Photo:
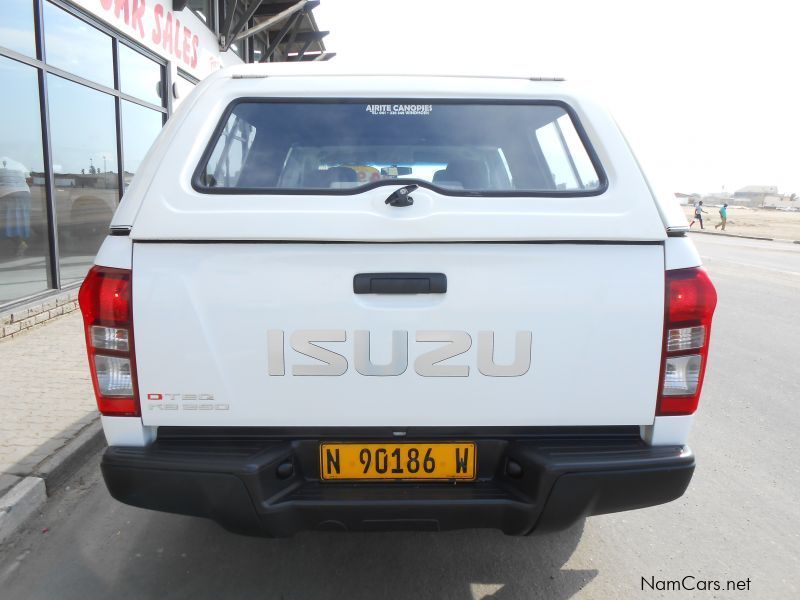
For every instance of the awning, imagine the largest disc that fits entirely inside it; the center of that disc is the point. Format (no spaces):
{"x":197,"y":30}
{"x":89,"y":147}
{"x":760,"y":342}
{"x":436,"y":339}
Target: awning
{"x":287,"y":31}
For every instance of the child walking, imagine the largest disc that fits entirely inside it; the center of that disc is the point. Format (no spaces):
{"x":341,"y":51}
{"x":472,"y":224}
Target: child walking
{"x":698,"y":214}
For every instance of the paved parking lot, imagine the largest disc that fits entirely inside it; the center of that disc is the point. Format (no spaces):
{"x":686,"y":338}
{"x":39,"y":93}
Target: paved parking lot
{"x":739,"y":520}
{"x":46,"y":394}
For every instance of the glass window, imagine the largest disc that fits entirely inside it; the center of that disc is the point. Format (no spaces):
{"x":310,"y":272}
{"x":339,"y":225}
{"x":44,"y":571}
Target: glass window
{"x":140,"y":127}
{"x":259,"y":48}
{"x":184,"y":86}
{"x":77,"y":47}
{"x":84,"y":142}
{"x":224,"y":168}
{"x":16,"y":26}
{"x":202,"y":8}
{"x":480,"y":148}
{"x":561,"y":147}
{"x":23,"y":216}
{"x":140,"y":76}
{"x":238,"y":48}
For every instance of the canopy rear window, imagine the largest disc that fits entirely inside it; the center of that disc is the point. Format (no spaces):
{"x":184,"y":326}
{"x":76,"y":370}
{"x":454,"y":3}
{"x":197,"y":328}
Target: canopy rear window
{"x":344,"y":147}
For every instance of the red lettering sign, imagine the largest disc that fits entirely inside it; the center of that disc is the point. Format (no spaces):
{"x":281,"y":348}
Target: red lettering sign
{"x":122,"y":6}
{"x":187,"y":42}
{"x":175,"y":39}
{"x":195,"y":43}
{"x":136,"y":17}
{"x":158,"y":12}
{"x":167,"y":43}
{"x":176,"y":47}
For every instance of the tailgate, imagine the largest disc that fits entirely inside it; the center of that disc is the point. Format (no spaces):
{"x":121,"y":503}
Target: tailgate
{"x":536,"y":334}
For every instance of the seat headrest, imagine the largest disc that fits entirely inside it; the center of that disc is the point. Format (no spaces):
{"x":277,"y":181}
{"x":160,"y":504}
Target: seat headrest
{"x":470,"y":172}
{"x":440,"y":175}
{"x":326,"y":178}
{"x":340,"y":174}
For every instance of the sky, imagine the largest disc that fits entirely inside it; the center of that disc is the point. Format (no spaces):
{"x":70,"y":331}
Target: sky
{"x":706,"y":91}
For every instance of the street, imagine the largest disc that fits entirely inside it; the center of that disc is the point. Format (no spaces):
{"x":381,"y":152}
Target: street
{"x":739,"y":520}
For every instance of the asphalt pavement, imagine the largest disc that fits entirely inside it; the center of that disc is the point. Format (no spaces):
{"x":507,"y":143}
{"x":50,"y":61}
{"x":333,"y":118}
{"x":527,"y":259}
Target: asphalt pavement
{"x":739,"y":520}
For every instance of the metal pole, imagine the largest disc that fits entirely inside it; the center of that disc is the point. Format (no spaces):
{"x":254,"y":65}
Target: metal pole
{"x":279,"y":38}
{"x":225,"y":32}
{"x":273,"y":20}
{"x":240,"y":24}
{"x":305,"y":47}
{"x":118,"y":123}
{"x":54,"y":268}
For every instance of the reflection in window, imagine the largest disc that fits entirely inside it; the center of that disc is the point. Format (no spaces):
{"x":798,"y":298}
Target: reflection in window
{"x":569,"y":163}
{"x":184,"y":86}
{"x":91,"y":58}
{"x":224,"y":167}
{"x":482,"y":147}
{"x":259,"y":48}
{"x":238,"y":48}
{"x":16,"y":26}
{"x":83,"y":133}
{"x":580,"y":158}
{"x":140,"y":76}
{"x":202,"y":8}
{"x":23,"y":217}
{"x":140,"y":126}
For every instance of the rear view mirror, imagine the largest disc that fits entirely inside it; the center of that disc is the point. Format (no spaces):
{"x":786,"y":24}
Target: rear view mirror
{"x":395,"y":171}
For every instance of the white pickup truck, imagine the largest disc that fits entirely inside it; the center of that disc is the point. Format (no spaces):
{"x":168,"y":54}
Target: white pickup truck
{"x":371,"y":302}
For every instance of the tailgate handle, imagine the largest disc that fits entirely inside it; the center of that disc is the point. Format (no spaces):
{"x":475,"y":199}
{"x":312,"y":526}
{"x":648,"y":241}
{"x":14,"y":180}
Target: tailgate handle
{"x":400,"y":283}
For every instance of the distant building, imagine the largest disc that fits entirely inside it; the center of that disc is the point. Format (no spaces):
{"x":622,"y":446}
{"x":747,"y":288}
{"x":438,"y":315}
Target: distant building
{"x":754,"y":195}
{"x":719,"y":198}
{"x":686,"y":199}
{"x":765,"y":196}
{"x":785,"y":201}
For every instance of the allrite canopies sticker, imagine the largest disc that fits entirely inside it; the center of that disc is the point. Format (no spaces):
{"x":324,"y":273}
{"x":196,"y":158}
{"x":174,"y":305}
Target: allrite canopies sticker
{"x":399,"y":109}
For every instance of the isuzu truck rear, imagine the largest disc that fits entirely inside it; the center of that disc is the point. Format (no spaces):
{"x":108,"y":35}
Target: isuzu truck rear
{"x":345,"y":301}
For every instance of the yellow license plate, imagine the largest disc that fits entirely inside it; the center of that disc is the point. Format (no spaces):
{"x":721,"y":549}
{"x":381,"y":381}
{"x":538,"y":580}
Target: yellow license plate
{"x":357,"y":460}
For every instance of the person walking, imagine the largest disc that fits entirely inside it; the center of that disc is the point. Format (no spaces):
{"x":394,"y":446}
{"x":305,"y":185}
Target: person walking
{"x":698,"y":214}
{"x":16,"y":196}
{"x":723,"y":215}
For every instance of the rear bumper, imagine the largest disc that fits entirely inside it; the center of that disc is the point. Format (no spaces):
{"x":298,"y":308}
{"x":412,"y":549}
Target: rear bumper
{"x":262,"y":484}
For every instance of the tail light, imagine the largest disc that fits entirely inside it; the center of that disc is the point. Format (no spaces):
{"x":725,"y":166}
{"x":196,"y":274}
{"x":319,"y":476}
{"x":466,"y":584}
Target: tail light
{"x":690,"y":302}
{"x":105,"y":301}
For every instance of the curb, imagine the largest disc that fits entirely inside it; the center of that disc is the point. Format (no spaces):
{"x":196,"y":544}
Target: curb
{"x":19,"y":504}
{"x":60,"y":465}
{"x":733,"y":235}
{"x":746,"y":237}
{"x":28,"y":496}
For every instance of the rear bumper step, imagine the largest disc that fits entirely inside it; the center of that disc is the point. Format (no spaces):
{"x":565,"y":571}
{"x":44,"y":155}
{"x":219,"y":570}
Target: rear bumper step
{"x":272,"y":487}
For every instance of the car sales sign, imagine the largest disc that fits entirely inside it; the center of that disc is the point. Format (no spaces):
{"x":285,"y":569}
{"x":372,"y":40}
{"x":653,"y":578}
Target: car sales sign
{"x":179,"y":36}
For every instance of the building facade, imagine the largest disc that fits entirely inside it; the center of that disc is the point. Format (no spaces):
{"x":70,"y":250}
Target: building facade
{"x":87,"y":86}
{"x":754,"y":195}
